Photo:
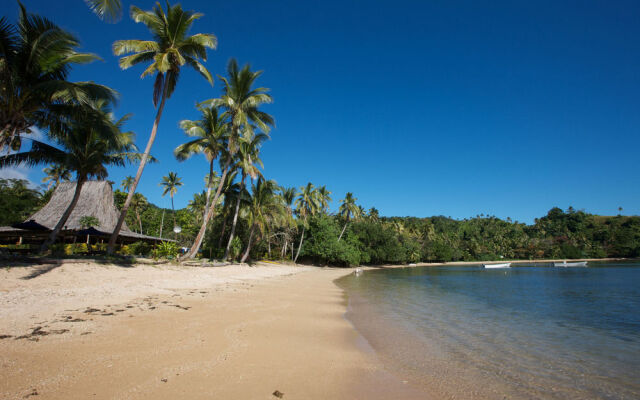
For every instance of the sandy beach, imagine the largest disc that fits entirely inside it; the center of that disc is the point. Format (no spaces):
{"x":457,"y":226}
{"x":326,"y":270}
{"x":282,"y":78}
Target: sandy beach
{"x":81,"y":331}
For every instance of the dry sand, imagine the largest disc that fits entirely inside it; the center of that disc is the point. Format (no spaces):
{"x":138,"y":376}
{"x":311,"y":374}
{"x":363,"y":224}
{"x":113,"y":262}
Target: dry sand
{"x":81,"y":331}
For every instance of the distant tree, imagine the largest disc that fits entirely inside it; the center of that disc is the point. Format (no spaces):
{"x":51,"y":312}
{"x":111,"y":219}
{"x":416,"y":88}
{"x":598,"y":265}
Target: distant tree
{"x":348,"y":209}
{"x":89,"y":221}
{"x":17,"y":201}
{"x":54,"y":174}
{"x":127,"y":183}
{"x":170,"y":184}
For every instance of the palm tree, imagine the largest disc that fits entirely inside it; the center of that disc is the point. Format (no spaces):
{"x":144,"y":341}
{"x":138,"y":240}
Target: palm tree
{"x":171,"y":49}
{"x":127,"y":183}
{"x":138,"y":203}
{"x":264,"y":208}
{"x":210,"y":134}
{"x":36,"y":57}
{"x":287,"y":195}
{"x":56,"y":173}
{"x":307,"y":204}
{"x":86,"y":149}
{"x":374,"y":214}
{"x":106,"y":10}
{"x":171,"y":183}
{"x":324,"y":197}
{"x":240,"y":103}
{"x":348,"y":208}
{"x":198,"y":204}
{"x":246,"y":160}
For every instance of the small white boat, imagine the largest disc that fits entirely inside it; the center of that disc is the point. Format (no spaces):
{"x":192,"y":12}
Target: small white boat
{"x":503,"y":265}
{"x":570,"y":264}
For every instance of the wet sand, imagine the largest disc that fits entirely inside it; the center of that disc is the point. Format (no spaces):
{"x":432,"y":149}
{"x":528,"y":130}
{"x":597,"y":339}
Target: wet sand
{"x":163,"y":332}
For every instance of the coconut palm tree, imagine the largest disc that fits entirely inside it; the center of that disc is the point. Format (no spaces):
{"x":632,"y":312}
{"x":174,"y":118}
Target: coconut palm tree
{"x":198,"y":204}
{"x":127,"y":183}
{"x":241,"y":102}
{"x":210,"y":134}
{"x":264,"y":208}
{"x":247,"y":161}
{"x":170,"y":184}
{"x":36,"y":57}
{"x":324,"y":197}
{"x":84,"y":148}
{"x":307,"y":204}
{"x":56,"y":173}
{"x":287,"y":196}
{"x":348,"y":209}
{"x":171,"y":49}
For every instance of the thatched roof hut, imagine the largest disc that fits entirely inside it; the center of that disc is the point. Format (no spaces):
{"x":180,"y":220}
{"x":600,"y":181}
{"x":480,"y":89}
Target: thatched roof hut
{"x":96,"y":200}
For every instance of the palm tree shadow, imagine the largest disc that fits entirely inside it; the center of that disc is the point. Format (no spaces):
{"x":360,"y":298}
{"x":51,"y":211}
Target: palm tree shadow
{"x":43,"y":269}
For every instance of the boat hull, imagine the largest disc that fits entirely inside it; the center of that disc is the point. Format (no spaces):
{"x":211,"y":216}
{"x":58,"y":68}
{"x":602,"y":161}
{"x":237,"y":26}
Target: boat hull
{"x":570,"y":264}
{"x":503,"y":265}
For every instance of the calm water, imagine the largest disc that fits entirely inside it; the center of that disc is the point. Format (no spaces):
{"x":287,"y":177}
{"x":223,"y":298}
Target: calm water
{"x":523,"y":332}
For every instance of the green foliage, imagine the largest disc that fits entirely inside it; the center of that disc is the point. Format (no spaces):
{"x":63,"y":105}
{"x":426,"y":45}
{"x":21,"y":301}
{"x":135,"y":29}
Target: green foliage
{"x":140,"y":249}
{"x":17,"y":201}
{"x":166,"y":250}
{"x":323,"y":245}
{"x":89,"y":221}
{"x":236,"y":248}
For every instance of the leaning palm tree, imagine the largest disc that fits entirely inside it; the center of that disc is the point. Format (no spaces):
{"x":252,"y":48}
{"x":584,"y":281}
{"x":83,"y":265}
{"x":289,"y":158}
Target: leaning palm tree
{"x":170,"y":184}
{"x":56,"y":173}
{"x":170,"y":50}
{"x":307,"y":204}
{"x":264,"y":208}
{"x":36,"y":57}
{"x":247,"y":162}
{"x":127,"y":183}
{"x":348,"y":209}
{"x":84,"y":148}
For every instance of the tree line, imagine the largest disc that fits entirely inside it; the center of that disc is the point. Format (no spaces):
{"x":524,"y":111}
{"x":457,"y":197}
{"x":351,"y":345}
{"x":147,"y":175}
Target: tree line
{"x":293,"y":224}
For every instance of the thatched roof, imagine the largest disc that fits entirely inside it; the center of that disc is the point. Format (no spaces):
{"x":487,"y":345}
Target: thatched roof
{"x":96,"y":200}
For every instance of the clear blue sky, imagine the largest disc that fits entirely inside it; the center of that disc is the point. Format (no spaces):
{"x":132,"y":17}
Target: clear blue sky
{"x":417,"y":107}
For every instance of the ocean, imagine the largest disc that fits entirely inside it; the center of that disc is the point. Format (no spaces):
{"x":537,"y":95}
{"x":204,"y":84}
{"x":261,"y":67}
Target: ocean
{"x":527,"y":332}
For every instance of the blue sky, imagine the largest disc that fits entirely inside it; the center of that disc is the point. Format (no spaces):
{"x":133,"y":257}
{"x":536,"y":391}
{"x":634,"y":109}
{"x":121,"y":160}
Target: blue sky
{"x":419,"y":108}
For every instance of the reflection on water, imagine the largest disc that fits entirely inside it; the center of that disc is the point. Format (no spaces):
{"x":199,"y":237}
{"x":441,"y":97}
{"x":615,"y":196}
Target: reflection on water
{"x":525,"y":332}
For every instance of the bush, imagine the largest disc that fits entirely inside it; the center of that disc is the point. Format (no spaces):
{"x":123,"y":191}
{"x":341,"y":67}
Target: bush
{"x":166,"y":250}
{"x":139,"y":249}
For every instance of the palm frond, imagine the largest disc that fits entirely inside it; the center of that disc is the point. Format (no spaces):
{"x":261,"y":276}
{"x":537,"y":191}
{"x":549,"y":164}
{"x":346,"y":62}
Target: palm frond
{"x":106,"y":10}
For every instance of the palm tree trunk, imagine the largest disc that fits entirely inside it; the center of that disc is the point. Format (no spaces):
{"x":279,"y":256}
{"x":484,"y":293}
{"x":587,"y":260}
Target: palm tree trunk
{"x":235,"y":220}
{"x":143,"y":162}
{"x":224,"y":228}
{"x":200,"y":237}
{"x":139,"y":220}
{"x":173,"y":210}
{"x":246,"y":253}
{"x":300,"y":245}
{"x":64,"y":218}
{"x":161,"y":223}
{"x":343,"y":229}
{"x":283,"y":252}
{"x":206,"y":205}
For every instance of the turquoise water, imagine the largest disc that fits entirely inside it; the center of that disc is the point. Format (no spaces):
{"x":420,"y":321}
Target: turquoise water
{"x":524,"y":332}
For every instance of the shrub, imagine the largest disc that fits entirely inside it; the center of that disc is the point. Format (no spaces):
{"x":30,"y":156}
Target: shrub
{"x":166,"y":250}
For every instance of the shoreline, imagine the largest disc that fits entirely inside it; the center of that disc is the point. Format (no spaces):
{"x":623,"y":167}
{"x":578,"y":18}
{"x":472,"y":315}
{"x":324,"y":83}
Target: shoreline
{"x":221,"y":332}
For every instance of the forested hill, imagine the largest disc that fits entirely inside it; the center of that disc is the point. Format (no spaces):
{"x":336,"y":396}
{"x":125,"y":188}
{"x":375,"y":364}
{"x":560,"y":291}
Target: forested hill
{"x":371,"y":239}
